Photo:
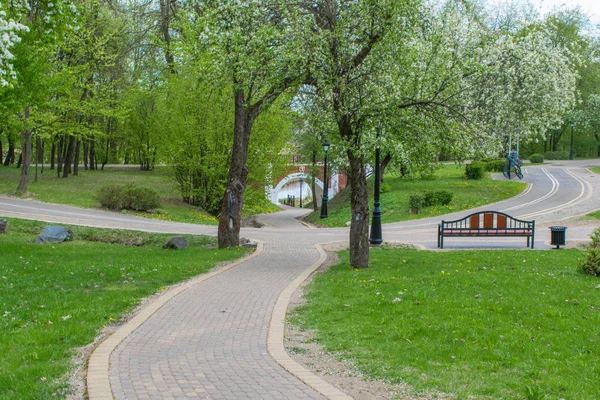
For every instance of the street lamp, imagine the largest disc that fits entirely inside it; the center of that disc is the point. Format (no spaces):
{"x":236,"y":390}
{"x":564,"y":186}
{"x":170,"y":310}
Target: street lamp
{"x":571,"y":148}
{"x":301,"y":182}
{"x":325,"y":194}
{"x":376,"y":236}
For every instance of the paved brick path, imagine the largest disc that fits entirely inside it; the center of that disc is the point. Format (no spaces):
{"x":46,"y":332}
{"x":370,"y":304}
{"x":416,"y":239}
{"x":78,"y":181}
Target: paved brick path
{"x":210,"y":341}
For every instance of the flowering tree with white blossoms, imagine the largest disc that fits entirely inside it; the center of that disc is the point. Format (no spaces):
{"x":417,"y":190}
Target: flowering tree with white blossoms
{"x":9,"y":30}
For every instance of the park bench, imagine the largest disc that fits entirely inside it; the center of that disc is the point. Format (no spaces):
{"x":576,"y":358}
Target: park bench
{"x":486,"y":223}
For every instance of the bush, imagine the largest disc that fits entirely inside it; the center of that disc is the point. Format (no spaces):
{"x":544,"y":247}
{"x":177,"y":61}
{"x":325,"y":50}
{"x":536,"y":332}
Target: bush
{"x":556,"y":155}
{"x":536,"y":158}
{"x":494,"y":165}
{"x":385,"y":187}
{"x":130,"y":197}
{"x":416,"y":201}
{"x":474,"y":170}
{"x":591,"y":262}
{"x":438,"y":197}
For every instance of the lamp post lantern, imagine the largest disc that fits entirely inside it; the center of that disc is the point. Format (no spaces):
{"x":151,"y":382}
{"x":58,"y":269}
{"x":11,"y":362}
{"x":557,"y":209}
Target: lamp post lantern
{"x":571,"y":148}
{"x":325,"y":191}
{"x":376,"y":237}
{"x":301,"y":182}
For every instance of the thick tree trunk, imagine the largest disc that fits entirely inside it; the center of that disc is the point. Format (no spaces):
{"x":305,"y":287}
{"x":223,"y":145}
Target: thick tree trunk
{"x":359,"y":225}
{"x":26,"y":153}
{"x":76,"y":157}
{"x":93,"y":154}
{"x":69,"y":157}
{"x":233,"y":200}
{"x":384,"y":163}
{"x":85,"y":155}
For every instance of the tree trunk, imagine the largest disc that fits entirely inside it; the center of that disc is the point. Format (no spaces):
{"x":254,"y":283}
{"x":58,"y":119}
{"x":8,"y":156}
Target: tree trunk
{"x":69,"y":157}
{"x":313,"y":183}
{"x":10,"y":154}
{"x":26,"y":153}
{"x":76,"y":158}
{"x":85,"y":155}
{"x":52,"y":154}
{"x":1,"y":152}
{"x":384,"y":163}
{"x":359,"y":225}
{"x":233,"y":199}
{"x":59,"y":155}
{"x":92,"y":154}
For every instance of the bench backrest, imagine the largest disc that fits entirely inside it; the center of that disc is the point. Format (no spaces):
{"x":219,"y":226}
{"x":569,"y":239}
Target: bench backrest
{"x":488,"y":220}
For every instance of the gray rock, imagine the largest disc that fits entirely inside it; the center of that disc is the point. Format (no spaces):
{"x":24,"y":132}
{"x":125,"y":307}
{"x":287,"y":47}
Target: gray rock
{"x":54,"y":234}
{"x":176,"y":243}
{"x":247,"y":243}
{"x":3,"y":224}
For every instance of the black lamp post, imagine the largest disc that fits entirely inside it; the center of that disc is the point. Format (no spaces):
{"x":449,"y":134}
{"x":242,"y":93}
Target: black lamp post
{"x":325,"y":191}
{"x":571,"y":148}
{"x":301,"y":182}
{"x":376,"y":236}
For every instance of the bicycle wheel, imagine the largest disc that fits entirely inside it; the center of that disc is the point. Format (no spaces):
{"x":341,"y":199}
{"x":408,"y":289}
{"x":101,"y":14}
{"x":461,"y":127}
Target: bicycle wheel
{"x":518,"y":172}
{"x":506,"y":169}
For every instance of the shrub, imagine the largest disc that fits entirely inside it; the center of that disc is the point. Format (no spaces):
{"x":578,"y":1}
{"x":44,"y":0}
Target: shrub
{"x":437,"y":197}
{"x":385,"y":187}
{"x":591,"y":262}
{"x":474,"y":170}
{"x":130,"y":197}
{"x":416,"y":201}
{"x":556,"y":155}
{"x":536,"y":158}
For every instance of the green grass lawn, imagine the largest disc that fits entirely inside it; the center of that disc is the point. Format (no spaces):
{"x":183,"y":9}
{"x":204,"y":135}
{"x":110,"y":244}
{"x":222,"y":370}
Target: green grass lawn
{"x":394,"y":204}
{"x":55,"y":298}
{"x":81,"y":191}
{"x":475,"y":324}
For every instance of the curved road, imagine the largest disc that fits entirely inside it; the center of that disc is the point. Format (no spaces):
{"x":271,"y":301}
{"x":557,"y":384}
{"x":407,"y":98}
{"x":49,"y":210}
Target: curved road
{"x":221,"y":337}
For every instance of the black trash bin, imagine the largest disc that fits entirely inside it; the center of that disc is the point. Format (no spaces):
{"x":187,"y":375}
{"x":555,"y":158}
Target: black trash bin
{"x":558,"y":236}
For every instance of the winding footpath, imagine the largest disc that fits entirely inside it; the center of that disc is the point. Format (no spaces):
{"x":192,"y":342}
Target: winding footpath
{"x":220,"y":335}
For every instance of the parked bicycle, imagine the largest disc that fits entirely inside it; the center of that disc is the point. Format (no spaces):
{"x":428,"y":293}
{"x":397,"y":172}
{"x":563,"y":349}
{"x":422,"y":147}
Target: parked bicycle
{"x":512,"y":166}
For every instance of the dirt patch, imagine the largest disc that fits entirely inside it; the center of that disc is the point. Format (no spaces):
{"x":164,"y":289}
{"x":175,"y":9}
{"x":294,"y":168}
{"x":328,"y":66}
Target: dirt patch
{"x":301,"y":346}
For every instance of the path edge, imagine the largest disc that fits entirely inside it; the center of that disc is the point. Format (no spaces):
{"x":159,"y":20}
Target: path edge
{"x":276,"y":332}
{"x":98,"y":382}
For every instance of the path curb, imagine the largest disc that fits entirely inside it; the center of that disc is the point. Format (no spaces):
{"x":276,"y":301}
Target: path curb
{"x":98,"y":383}
{"x":276,"y":332}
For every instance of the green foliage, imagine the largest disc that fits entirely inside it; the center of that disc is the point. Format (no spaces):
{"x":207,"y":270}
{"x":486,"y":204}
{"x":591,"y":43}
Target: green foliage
{"x":128,"y":197}
{"x":385,"y":187}
{"x":590,"y":264}
{"x":56,"y":299}
{"x":536,"y":158}
{"x":438,"y":198}
{"x":494,"y":165}
{"x":465,"y":324}
{"x":556,"y":155}
{"x":416,"y":201}
{"x":475,"y":170}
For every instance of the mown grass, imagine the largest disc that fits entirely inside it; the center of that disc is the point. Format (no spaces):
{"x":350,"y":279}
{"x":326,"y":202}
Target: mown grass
{"x":81,"y":191}
{"x":55,"y":298}
{"x":595,"y":214}
{"x":475,"y":324}
{"x":394,"y":204}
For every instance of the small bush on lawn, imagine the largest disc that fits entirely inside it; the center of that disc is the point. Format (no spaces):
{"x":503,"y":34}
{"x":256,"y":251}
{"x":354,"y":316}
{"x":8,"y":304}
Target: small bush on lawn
{"x":130,"y":197}
{"x":416,"y":202}
{"x":591,"y":262}
{"x":475,"y":170}
{"x":438,"y":197}
{"x":536,"y":158}
{"x":385,"y":187}
{"x":494,"y":165}
{"x":556,"y":155}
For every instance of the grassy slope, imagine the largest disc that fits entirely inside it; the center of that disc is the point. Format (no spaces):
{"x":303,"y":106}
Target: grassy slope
{"x":81,"y":191}
{"x":467,"y":194}
{"x":488,"y":324}
{"x":55,"y":298}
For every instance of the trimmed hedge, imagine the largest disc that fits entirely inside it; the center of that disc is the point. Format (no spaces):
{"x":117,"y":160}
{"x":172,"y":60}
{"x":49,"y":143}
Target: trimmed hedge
{"x":556,"y":155}
{"x":438,"y":197}
{"x":475,"y":170}
{"x":416,"y":202}
{"x":128,"y":197}
{"x":536,"y":158}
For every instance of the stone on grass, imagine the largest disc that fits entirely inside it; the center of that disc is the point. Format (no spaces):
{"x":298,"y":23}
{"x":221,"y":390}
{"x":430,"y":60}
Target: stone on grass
{"x":54,"y":234}
{"x":247,"y":243}
{"x":176,"y":243}
{"x":3,"y":224}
